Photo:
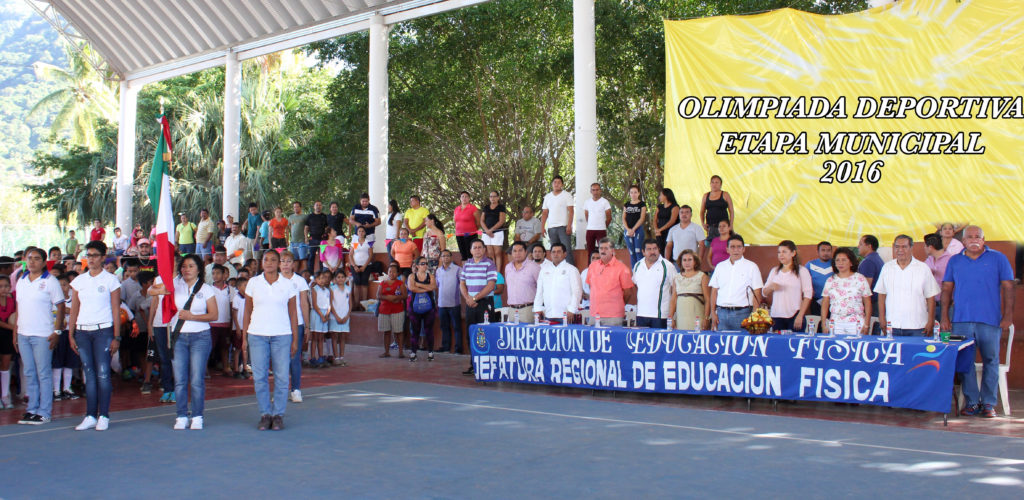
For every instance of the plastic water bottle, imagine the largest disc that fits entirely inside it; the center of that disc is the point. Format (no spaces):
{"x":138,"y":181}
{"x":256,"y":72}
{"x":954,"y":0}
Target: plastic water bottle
{"x":831,"y":327}
{"x":536,"y":318}
{"x":936,"y":337}
{"x":565,"y":318}
{"x":888,"y":331}
{"x":487,"y":317}
{"x":668,"y":324}
{"x":516,"y":316}
{"x":696,"y":325}
{"x":810,"y":327}
{"x":597,"y":320}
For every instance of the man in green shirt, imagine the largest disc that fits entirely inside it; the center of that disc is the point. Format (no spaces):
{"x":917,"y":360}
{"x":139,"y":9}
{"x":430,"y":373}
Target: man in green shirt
{"x":299,"y":233}
{"x":71,"y":245}
{"x":185,"y":235}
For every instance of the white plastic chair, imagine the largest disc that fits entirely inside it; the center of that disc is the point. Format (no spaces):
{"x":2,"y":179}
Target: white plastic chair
{"x":630,"y":318}
{"x":506,"y":313}
{"x":1004,"y":369}
{"x":586,"y":316}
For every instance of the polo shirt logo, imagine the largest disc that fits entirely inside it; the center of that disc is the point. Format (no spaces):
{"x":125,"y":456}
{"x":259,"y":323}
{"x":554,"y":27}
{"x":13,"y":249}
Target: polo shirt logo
{"x":101,"y":289}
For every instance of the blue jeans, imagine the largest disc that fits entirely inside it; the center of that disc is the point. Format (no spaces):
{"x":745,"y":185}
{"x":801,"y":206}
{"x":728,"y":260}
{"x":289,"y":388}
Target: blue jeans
{"x":164,"y":353}
{"x":908,"y":332}
{"x":645,"y":322}
{"x":94,"y":349}
{"x":191,"y":352}
{"x":296,"y":362}
{"x":187,"y":248}
{"x":451,"y":327}
{"x":635,"y":246}
{"x":299,"y":250}
{"x":35,"y":367}
{"x":986,"y":340}
{"x":263,"y":351}
{"x":312,"y":257}
{"x":731,"y":319}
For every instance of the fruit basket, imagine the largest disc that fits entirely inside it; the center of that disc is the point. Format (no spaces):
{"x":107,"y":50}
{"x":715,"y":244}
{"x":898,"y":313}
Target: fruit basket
{"x":758,"y":323}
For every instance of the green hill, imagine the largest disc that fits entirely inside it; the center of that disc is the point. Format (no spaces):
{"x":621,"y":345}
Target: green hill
{"x":25,"y":38}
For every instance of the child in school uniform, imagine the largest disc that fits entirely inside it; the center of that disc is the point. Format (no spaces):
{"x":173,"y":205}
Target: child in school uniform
{"x":238,"y":354}
{"x":64,"y":361}
{"x":319,"y":317}
{"x":341,"y":306}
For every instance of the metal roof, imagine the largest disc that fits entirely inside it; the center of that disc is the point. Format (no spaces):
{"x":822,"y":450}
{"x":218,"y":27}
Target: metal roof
{"x":148,"y":40}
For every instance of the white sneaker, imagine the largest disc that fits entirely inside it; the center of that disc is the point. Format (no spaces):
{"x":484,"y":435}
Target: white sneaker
{"x":197,"y":424}
{"x":296,"y":396}
{"x":88,"y":423}
{"x":180,"y":423}
{"x":102,"y":424}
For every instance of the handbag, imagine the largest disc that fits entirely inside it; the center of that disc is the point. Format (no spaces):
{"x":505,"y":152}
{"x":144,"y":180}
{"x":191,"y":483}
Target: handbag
{"x":422,"y":303}
{"x":173,"y":337}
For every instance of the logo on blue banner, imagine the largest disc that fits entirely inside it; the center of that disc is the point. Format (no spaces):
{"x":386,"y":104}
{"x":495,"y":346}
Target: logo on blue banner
{"x":480,"y":342}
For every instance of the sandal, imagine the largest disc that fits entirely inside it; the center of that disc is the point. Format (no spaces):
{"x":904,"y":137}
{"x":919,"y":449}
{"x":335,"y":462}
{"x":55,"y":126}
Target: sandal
{"x":385,"y":355}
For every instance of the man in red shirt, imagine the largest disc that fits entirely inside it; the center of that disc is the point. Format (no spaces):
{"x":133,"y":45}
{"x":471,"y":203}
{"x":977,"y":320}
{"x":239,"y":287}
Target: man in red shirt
{"x":610,"y":281}
{"x":97,"y":233}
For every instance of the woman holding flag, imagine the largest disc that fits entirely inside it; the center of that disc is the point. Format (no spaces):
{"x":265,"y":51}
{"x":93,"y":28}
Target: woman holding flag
{"x":191,"y":342}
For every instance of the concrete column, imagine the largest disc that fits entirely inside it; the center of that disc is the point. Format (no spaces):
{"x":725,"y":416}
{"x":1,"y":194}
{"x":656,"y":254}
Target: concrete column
{"x":125,"y":156}
{"x":232,"y":134}
{"x":585,"y":88}
{"x":378,"y":124}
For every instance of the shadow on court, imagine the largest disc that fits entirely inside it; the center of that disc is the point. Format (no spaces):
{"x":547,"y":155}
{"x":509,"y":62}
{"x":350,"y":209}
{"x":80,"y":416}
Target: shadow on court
{"x":391,"y":439}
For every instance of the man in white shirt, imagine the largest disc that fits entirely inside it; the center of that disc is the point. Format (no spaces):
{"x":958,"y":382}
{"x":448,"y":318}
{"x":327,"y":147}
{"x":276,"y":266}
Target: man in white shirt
{"x":598,"y":213}
{"x":557,"y":214}
{"x":732,"y":285}
{"x":906,"y":292}
{"x":559,"y":287}
{"x":653,"y":276}
{"x":684,"y":236}
{"x":237,"y":241}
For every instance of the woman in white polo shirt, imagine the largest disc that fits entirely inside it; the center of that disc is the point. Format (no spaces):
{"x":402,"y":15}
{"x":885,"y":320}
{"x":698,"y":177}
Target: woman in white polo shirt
{"x":95,"y":330}
{"x":270,"y":330}
{"x":35,"y":334}
{"x":192,"y":347}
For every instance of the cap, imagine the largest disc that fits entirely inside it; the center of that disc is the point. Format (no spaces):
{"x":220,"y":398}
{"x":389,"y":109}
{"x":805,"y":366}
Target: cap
{"x":5,"y":260}
{"x":145,"y":241}
{"x":220,"y":249}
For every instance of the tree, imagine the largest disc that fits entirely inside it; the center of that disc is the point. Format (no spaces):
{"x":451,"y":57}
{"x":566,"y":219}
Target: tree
{"x":85,"y":98}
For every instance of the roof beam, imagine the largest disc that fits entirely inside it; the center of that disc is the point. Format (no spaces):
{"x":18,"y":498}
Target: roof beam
{"x":393,"y":12}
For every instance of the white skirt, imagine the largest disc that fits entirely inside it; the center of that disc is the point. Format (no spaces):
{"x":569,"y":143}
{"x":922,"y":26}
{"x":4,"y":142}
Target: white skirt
{"x":497,"y":240}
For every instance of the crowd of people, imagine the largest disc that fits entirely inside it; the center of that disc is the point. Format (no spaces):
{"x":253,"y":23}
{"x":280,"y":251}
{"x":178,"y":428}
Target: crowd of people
{"x":274,"y":294}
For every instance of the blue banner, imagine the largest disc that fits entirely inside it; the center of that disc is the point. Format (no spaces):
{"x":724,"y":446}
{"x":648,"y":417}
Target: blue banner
{"x":909,"y":372}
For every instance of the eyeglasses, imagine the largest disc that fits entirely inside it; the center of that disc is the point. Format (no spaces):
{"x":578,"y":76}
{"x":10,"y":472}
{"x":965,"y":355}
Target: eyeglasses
{"x":421,"y":263}
{"x":93,"y":255}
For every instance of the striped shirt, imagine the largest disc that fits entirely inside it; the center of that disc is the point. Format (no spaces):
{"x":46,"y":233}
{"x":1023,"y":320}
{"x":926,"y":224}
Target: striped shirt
{"x":476,"y":275}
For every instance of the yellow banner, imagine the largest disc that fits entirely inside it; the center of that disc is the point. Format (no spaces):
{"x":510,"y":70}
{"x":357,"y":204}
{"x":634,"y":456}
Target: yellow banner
{"x":882,"y":122}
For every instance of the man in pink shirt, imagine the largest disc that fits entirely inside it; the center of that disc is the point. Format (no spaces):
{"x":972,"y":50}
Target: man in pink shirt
{"x":521,"y":282}
{"x":610,"y":281}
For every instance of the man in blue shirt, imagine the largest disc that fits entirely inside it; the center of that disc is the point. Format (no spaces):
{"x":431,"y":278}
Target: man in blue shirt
{"x":821,"y":271}
{"x":364,"y":215}
{"x":980,"y":282}
{"x":870,"y":266}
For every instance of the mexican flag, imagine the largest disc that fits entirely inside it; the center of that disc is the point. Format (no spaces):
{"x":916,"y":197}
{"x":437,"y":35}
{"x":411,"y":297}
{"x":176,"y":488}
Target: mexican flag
{"x":160,"y":199}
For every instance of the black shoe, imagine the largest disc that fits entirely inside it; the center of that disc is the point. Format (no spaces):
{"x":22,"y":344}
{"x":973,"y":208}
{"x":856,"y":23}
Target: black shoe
{"x":238,"y":375}
{"x":68,"y":395}
{"x":278,"y":423}
{"x":37,"y":420}
{"x":265,"y":423}
{"x":26,"y":418}
{"x":468,"y":372}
